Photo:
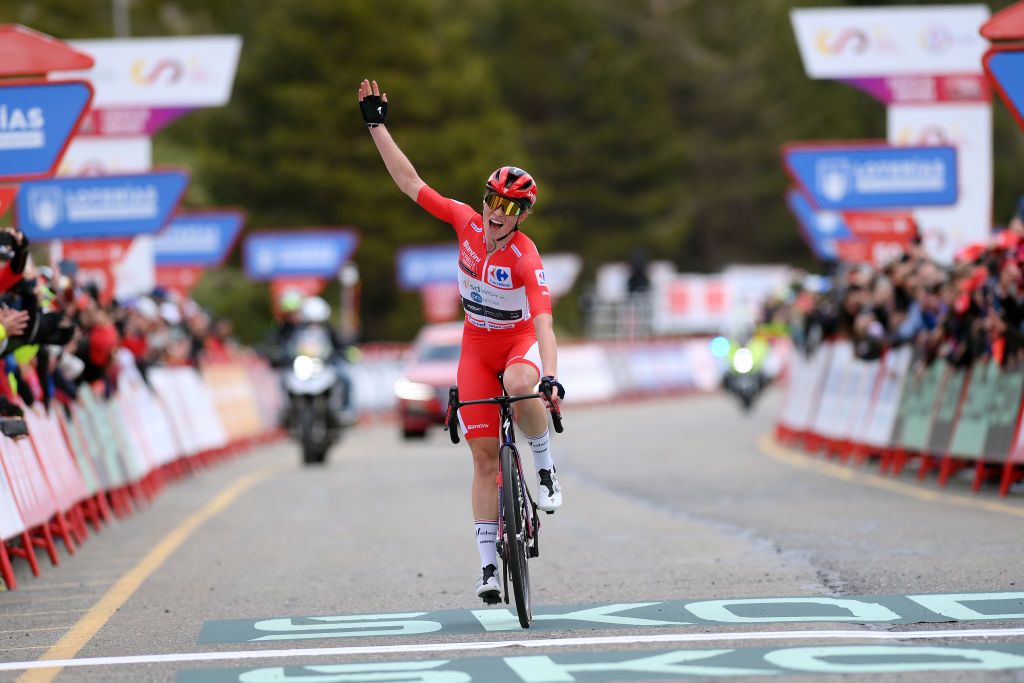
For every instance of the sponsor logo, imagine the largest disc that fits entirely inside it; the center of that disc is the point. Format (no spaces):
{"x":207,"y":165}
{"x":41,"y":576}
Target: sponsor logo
{"x":171,"y":70}
{"x":475,"y":296}
{"x":21,"y":128}
{"x":499,"y":277}
{"x":46,"y":206}
{"x":466,"y":269}
{"x":836,"y":178}
{"x":848,"y":41}
{"x":476,"y":227}
{"x":467,"y":249}
{"x":483,"y":425}
{"x":541,"y":278}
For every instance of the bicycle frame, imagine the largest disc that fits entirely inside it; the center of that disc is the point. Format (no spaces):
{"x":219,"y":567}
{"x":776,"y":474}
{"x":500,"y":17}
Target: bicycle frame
{"x":531,"y":521}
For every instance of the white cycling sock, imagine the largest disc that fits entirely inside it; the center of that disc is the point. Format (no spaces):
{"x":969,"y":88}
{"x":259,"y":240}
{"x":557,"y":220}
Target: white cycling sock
{"x":541,"y":447}
{"x":486,"y":533}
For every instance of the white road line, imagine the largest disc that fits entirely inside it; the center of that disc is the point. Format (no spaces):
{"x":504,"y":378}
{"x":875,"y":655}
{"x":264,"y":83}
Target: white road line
{"x":492,"y":645}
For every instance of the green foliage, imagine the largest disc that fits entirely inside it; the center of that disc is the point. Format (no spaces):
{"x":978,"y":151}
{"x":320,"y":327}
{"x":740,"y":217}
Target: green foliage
{"x":651,"y":124}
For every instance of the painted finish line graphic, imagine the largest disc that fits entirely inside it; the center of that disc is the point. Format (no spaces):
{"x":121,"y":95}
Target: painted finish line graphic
{"x":647,"y":666}
{"x":871,"y":609}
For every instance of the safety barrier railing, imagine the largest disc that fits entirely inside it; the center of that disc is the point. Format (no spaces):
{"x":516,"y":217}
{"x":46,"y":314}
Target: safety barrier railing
{"x":88,"y":461}
{"x":896,"y":410}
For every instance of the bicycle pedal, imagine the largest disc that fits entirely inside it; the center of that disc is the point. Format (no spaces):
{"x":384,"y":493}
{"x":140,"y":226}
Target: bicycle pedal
{"x":550,"y":512}
{"x":491,"y":598}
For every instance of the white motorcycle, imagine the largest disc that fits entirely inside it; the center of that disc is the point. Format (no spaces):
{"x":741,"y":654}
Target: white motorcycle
{"x":316,"y":390}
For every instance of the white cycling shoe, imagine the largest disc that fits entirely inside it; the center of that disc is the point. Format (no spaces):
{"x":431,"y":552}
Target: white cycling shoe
{"x":488,"y":586}
{"x":549,"y":491}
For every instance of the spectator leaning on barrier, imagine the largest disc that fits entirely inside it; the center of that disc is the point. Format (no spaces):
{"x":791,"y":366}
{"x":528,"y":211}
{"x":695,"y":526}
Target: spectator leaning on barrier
{"x":971,"y":310}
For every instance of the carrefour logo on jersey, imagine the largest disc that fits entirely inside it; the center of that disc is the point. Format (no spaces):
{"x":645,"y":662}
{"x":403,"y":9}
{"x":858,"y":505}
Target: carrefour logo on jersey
{"x":499,"y":277}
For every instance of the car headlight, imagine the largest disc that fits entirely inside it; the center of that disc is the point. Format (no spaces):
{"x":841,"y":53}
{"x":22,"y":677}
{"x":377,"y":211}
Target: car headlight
{"x":414,"y":391}
{"x":305,"y":367}
{"x":743,"y":361}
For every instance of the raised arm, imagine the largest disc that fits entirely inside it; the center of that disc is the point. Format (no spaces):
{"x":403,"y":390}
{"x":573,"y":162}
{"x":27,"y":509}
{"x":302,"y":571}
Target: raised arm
{"x":374,"y":107}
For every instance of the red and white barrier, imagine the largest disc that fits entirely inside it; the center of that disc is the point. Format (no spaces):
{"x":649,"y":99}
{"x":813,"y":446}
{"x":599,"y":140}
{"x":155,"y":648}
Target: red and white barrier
{"x":943,"y":418}
{"x":97,"y":457}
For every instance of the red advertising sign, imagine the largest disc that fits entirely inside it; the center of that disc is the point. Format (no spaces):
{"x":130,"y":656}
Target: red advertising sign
{"x":876,"y":226}
{"x":1007,"y":24}
{"x":179,"y":279}
{"x":97,"y":261}
{"x":875,"y":252}
{"x":441,"y":301}
{"x":7,"y":196}
{"x":24,"y":52}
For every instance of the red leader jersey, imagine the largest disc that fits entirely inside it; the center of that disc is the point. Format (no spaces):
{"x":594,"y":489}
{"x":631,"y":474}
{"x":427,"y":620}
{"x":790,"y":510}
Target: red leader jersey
{"x":501,"y":291}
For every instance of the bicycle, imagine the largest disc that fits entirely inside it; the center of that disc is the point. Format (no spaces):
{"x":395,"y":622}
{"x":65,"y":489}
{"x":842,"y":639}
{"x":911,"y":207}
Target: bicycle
{"x":518,"y":523}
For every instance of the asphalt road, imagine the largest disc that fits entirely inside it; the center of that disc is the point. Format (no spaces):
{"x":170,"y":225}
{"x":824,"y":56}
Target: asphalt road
{"x":671,"y":505}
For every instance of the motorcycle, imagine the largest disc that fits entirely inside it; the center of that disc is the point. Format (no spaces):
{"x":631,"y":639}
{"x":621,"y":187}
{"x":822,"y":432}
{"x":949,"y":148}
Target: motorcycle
{"x":743,"y":378}
{"x":317,"y":394}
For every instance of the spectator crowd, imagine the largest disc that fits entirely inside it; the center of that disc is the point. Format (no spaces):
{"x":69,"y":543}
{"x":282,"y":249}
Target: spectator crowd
{"x":58,"y":332}
{"x":971,"y":309}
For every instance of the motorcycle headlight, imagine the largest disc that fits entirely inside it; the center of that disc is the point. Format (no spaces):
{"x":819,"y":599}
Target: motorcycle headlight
{"x":743,"y":361}
{"x":414,"y":391}
{"x":305,"y":367}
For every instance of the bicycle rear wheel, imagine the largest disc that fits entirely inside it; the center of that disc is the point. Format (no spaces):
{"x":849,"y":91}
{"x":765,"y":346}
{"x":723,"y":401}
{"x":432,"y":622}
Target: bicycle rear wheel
{"x":514,"y":512}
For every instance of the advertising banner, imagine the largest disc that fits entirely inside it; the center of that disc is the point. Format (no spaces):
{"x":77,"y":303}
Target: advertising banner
{"x":441,"y":301}
{"x":1005,"y":67}
{"x":425,"y":265}
{"x":968,"y":127}
{"x":301,"y":253}
{"x":92,"y":156}
{"x":873,"y":176}
{"x":37,"y":120}
{"x":690,"y":303}
{"x":99,"y":207}
{"x":203,"y":239}
{"x":921,"y":90}
{"x":142,"y":84}
{"x":890,"y":41}
{"x":821,"y":229}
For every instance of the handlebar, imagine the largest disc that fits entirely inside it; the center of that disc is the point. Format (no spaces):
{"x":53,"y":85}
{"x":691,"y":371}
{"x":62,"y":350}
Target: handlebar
{"x":546,"y":389}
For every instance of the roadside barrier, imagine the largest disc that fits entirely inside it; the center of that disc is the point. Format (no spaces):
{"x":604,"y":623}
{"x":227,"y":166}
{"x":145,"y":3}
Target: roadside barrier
{"x":937,"y":418}
{"x":96,"y":458}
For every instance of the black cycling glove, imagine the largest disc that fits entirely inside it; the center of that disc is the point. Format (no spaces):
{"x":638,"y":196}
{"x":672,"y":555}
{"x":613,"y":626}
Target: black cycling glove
{"x":554,"y":384}
{"x":374,"y":110}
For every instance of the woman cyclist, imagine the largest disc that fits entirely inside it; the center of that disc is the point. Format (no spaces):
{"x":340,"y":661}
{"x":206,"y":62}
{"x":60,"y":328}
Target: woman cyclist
{"x":508,"y":323}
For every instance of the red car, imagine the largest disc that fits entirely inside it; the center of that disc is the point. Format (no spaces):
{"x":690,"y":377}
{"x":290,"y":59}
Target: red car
{"x":428,"y":372}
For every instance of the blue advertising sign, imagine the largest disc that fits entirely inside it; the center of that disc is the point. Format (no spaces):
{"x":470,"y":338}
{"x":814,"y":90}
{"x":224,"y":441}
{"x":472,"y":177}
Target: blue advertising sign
{"x":426,"y":265}
{"x":99,"y":206}
{"x":873,"y":177}
{"x":820,"y":228}
{"x":201,"y":239}
{"x":1005,"y":67}
{"x":37,"y":120}
{"x":305,"y":253}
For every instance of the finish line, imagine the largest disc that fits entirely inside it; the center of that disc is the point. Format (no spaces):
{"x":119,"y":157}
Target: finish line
{"x":422,"y":648}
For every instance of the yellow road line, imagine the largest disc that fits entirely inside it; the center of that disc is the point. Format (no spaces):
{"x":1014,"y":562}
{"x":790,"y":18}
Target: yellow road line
{"x":800,"y":460}
{"x":89,"y":625}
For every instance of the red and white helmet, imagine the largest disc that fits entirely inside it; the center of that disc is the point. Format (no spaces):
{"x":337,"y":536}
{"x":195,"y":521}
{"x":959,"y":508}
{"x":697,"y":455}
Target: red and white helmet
{"x":514,"y":183}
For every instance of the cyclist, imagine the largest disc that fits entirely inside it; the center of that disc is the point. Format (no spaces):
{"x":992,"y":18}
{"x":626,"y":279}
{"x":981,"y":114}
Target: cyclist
{"x":508,"y":323}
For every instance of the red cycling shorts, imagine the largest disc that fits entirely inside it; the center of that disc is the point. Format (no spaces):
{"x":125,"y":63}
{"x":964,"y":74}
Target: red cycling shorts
{"x":484,"y":355}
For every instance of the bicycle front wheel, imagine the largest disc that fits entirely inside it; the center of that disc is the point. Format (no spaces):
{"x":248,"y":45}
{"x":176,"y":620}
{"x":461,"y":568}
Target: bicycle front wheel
{"x":514,"y":512}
